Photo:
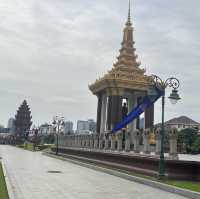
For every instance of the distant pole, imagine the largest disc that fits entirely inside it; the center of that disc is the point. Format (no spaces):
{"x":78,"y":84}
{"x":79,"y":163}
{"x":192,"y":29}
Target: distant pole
{"x":57,"y":122}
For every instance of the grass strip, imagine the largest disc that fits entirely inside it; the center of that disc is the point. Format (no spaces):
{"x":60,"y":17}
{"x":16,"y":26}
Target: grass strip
{"x":3,"y":188}
{"x":189,"y":185}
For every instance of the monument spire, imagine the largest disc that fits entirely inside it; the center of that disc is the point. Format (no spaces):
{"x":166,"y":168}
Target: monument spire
{"x":127,"y":57}
{"x":129,"y":14}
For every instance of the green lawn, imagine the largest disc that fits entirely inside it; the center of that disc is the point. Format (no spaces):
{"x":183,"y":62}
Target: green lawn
{"x":3,"y":189}
{"x":29,"y":146}
{"x":194,"y":186}
{"x":190,"y":185}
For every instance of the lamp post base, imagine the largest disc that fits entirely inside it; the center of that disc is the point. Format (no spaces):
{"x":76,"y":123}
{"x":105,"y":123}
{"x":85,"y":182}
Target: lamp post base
{"x":162,"y":177}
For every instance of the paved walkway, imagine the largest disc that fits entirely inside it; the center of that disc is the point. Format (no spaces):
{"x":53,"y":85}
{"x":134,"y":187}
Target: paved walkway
{"x":28,"y":174}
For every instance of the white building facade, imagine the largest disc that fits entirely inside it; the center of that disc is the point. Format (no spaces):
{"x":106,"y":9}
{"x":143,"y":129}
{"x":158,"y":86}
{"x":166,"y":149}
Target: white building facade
{"x":45,"y":129}
{"x":86,"y":127}
{"x":68,"y":127}
{"x":182,"y":122}
{"x":11,"y":125}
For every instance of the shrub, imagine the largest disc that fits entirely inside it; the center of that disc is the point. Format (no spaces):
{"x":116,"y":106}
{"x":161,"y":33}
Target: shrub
{"x":196,"y":145}
{"x":187,"y":137}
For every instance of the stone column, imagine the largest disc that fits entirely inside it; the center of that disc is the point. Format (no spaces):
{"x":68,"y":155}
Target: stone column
{"x":127,"y":141}
{"x":101,"y":141}
{"x":132,"y":103}
{"x":82,"y":141}
{"x":146,"y":137}
{"x":136,"y":140}
{"x":85,"y":141}
{"x":119,"y":141}
{"x":149,"y":117}
{"x":112,"y":142}
{"x":98,"y":127}
{"x":88,"y":141}
{"x":72,"y":140}
{"x":91,"y":141}
{"x":173,"y":136}
{"x":158,"y":140}
{"x":109,"y":109}
{"x":103,"y":113}
{"x":78,"y":141}
{"x":106,"y":141}
{"x":96,"y":141}
{"x":139,"y":100}
{"x":116,"y":111}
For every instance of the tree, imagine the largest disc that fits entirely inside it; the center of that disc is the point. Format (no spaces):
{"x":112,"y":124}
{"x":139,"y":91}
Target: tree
{"x":196,"y":145}
{"x":187,"y":137}
{"x":49,"y":139}
{"x":23,"y":121}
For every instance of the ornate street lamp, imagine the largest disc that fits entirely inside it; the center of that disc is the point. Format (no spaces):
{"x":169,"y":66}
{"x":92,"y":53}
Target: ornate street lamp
{"x":58,"y":122}
{"x":174,"y":97}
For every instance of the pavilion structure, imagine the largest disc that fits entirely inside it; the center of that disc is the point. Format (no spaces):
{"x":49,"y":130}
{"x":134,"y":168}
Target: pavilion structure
{"x":118,"y":92}
{"x":122,"y":88}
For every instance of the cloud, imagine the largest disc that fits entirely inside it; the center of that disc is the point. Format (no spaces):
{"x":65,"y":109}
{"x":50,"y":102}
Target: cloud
{"x":51,"y":50}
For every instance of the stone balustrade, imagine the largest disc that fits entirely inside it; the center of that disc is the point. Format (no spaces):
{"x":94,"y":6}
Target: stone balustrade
{"x":127,"y":141}
{"x":158,"y":140}
{"x":136,"y":140}
{"x":173,"y":137}
{"x":146,"y":137}
{"x":121,"y":141}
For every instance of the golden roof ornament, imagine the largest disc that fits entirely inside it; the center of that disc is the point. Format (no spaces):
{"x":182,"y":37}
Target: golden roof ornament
{"x":126,"y":73}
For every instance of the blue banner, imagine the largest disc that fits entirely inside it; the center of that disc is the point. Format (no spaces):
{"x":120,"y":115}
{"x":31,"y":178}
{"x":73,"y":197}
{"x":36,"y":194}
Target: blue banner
{"x":147,"y":102}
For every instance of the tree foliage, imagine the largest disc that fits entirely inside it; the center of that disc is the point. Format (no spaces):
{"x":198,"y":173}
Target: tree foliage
{"x":187,"y":137}
{"x":196,"y":145}
{"x":23,"y":120}
{"x":49,"y":139}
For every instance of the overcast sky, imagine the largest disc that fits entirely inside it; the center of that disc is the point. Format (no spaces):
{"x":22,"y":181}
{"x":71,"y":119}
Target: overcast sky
{"x":52,"y":49}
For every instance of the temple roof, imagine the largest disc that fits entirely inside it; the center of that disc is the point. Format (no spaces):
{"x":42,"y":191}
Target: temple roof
{"x":182,"y":120}
{"x":126,"y":72}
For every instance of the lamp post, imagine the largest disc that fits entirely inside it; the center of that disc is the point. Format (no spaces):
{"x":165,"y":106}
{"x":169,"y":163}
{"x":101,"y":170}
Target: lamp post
{"x":174,"y":97}
{"x":58,"y":123}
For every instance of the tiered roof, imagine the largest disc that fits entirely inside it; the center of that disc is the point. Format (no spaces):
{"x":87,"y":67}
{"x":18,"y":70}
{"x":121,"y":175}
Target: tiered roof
{"x":126,"y":72}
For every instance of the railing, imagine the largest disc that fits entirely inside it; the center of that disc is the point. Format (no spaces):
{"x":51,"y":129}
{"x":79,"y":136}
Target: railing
{"x":123,"y":141}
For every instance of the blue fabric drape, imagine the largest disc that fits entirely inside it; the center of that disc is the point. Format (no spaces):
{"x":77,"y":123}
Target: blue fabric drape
{"x":147,"y":102}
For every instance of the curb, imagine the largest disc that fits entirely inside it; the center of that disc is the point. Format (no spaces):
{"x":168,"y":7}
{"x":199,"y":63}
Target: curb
{"x":8,"y":184}
{"x":154,"y":184}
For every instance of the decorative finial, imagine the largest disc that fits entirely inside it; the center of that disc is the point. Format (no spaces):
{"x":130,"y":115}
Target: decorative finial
{"x":129,"y":14}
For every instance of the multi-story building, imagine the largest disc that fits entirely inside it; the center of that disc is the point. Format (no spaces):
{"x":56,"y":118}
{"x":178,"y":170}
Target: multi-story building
{"x":92,"y":125}
{"x":82,"y":126}
{"x":46,"y":129}
{"x":68,"y":127}
{"x":86,"y":127}
{"x":11,"y":125}
{"x":4,"y":130}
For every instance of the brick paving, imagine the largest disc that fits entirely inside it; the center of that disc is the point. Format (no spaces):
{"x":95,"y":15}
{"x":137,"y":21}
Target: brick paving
{"x":28,"y":175}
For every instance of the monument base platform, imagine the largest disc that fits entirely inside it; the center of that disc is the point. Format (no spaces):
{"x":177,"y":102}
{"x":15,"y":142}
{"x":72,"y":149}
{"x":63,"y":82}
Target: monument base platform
{"x":142,"y":164}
